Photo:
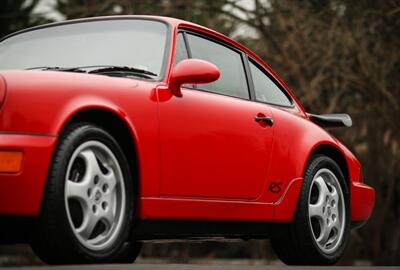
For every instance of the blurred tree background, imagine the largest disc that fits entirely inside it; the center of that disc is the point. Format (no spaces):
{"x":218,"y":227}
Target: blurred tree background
{"x":335,"y":55}
{"x":18,"y":14}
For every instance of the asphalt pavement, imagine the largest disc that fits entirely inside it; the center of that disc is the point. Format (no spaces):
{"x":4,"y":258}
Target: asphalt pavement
{"x":191,"y":267}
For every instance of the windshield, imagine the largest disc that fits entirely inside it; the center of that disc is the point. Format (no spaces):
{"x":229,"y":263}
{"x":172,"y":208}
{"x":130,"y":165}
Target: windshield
{"x":129,"y":42}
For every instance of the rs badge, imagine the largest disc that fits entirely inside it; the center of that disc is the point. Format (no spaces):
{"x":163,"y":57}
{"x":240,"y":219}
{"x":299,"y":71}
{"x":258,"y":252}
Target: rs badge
{"x":275,"y":187}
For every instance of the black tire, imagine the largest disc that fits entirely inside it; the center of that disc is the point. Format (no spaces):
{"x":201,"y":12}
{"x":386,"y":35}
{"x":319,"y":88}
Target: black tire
{"x":298,"y":245}
{"x":129,"y":252}
{"x":54,"y":239}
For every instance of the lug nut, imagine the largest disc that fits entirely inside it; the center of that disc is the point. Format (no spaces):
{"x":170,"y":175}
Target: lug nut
{"x":104,"y":205}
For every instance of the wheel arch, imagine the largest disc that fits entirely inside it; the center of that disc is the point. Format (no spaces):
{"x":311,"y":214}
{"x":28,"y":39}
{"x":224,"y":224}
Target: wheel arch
{"x":334,"y":153}
{"x":117,"y":125}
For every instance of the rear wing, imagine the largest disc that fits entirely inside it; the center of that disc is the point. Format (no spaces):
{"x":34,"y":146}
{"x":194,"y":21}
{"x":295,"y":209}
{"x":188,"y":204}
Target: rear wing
{"x":331,"y":120}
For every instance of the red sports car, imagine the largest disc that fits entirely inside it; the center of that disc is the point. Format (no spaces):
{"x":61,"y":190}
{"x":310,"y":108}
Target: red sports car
{"x":118,"y":130}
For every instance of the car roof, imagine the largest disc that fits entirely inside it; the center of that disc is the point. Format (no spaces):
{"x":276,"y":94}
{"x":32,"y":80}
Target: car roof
{"x":174,"y":22}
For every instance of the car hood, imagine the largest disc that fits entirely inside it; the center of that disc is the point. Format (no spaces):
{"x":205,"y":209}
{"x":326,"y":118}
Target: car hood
{"x":36,"y":100}
{"x":59,"y":80}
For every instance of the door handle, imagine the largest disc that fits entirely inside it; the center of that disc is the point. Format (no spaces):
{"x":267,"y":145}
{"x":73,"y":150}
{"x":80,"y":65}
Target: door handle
{"x":268,"y":120}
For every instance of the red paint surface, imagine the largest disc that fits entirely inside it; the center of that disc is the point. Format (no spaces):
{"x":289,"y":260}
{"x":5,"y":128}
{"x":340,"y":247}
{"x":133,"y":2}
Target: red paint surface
{"x":201,"y":156}
{"x":362,"y":201}
{"x":211,"y":146}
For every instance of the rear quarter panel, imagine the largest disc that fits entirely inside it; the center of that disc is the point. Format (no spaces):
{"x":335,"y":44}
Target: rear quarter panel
{"x":295,"y":139}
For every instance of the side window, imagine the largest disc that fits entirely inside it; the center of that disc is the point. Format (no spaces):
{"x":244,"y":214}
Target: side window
{"x":180,"y":50}
{"x":232,"y":81}
{"x":266,"y":90}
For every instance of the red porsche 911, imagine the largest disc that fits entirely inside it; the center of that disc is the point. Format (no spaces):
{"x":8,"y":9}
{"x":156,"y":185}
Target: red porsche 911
{"x":118,"y":130}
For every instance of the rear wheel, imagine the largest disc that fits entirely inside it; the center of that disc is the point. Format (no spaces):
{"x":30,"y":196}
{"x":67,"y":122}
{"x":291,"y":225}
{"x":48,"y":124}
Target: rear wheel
{"x":320,"y":230}
{"x":88,"y":203}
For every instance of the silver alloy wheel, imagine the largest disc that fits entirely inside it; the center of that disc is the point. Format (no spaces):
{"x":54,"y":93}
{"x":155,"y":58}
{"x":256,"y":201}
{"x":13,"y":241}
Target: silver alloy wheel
{"x":326,"y":211}
{"x":95,"y":195}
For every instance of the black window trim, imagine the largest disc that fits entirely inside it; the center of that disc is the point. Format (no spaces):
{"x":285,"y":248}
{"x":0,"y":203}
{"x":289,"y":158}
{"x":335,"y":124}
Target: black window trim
{"x":272,"y":78}
{"x":176,"y":46}
{"x":243,"y":57}
{"x":189,"y":52}
{"x":249,"y":78}
{"x":185,"y":42}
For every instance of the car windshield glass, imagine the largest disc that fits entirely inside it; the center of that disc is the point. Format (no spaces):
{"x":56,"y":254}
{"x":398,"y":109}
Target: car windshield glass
{"x":130,"y":43}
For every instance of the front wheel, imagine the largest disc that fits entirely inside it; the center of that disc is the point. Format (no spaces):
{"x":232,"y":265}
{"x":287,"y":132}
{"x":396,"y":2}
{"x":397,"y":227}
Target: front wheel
{"x":320,"y":230}
{"x":88,"y":203}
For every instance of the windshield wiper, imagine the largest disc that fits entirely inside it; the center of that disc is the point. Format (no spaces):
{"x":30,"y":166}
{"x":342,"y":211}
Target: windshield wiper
{"x":120,"y":71}
{"x":72,"y":69}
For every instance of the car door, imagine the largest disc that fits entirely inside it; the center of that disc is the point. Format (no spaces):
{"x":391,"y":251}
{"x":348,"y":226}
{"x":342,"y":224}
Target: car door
{"x":211,"y":144}
{"x":269,"y":92}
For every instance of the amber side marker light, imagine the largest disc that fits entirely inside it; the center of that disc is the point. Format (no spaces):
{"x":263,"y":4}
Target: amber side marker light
{"x":10,"y":161}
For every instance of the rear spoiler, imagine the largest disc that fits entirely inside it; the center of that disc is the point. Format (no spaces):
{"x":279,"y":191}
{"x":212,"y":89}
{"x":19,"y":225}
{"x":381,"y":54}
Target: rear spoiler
{"x":331,"y":120}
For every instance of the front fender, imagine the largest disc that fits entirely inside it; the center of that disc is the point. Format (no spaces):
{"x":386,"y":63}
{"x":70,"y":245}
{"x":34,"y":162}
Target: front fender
{"x":81,"y":103}
{"x":43,"y":102}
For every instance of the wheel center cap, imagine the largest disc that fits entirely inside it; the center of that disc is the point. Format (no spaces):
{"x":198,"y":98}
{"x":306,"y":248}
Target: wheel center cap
{"x":97,"y":196}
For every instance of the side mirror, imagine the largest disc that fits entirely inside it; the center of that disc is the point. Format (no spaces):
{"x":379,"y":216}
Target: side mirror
{"x":192,"y":71}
